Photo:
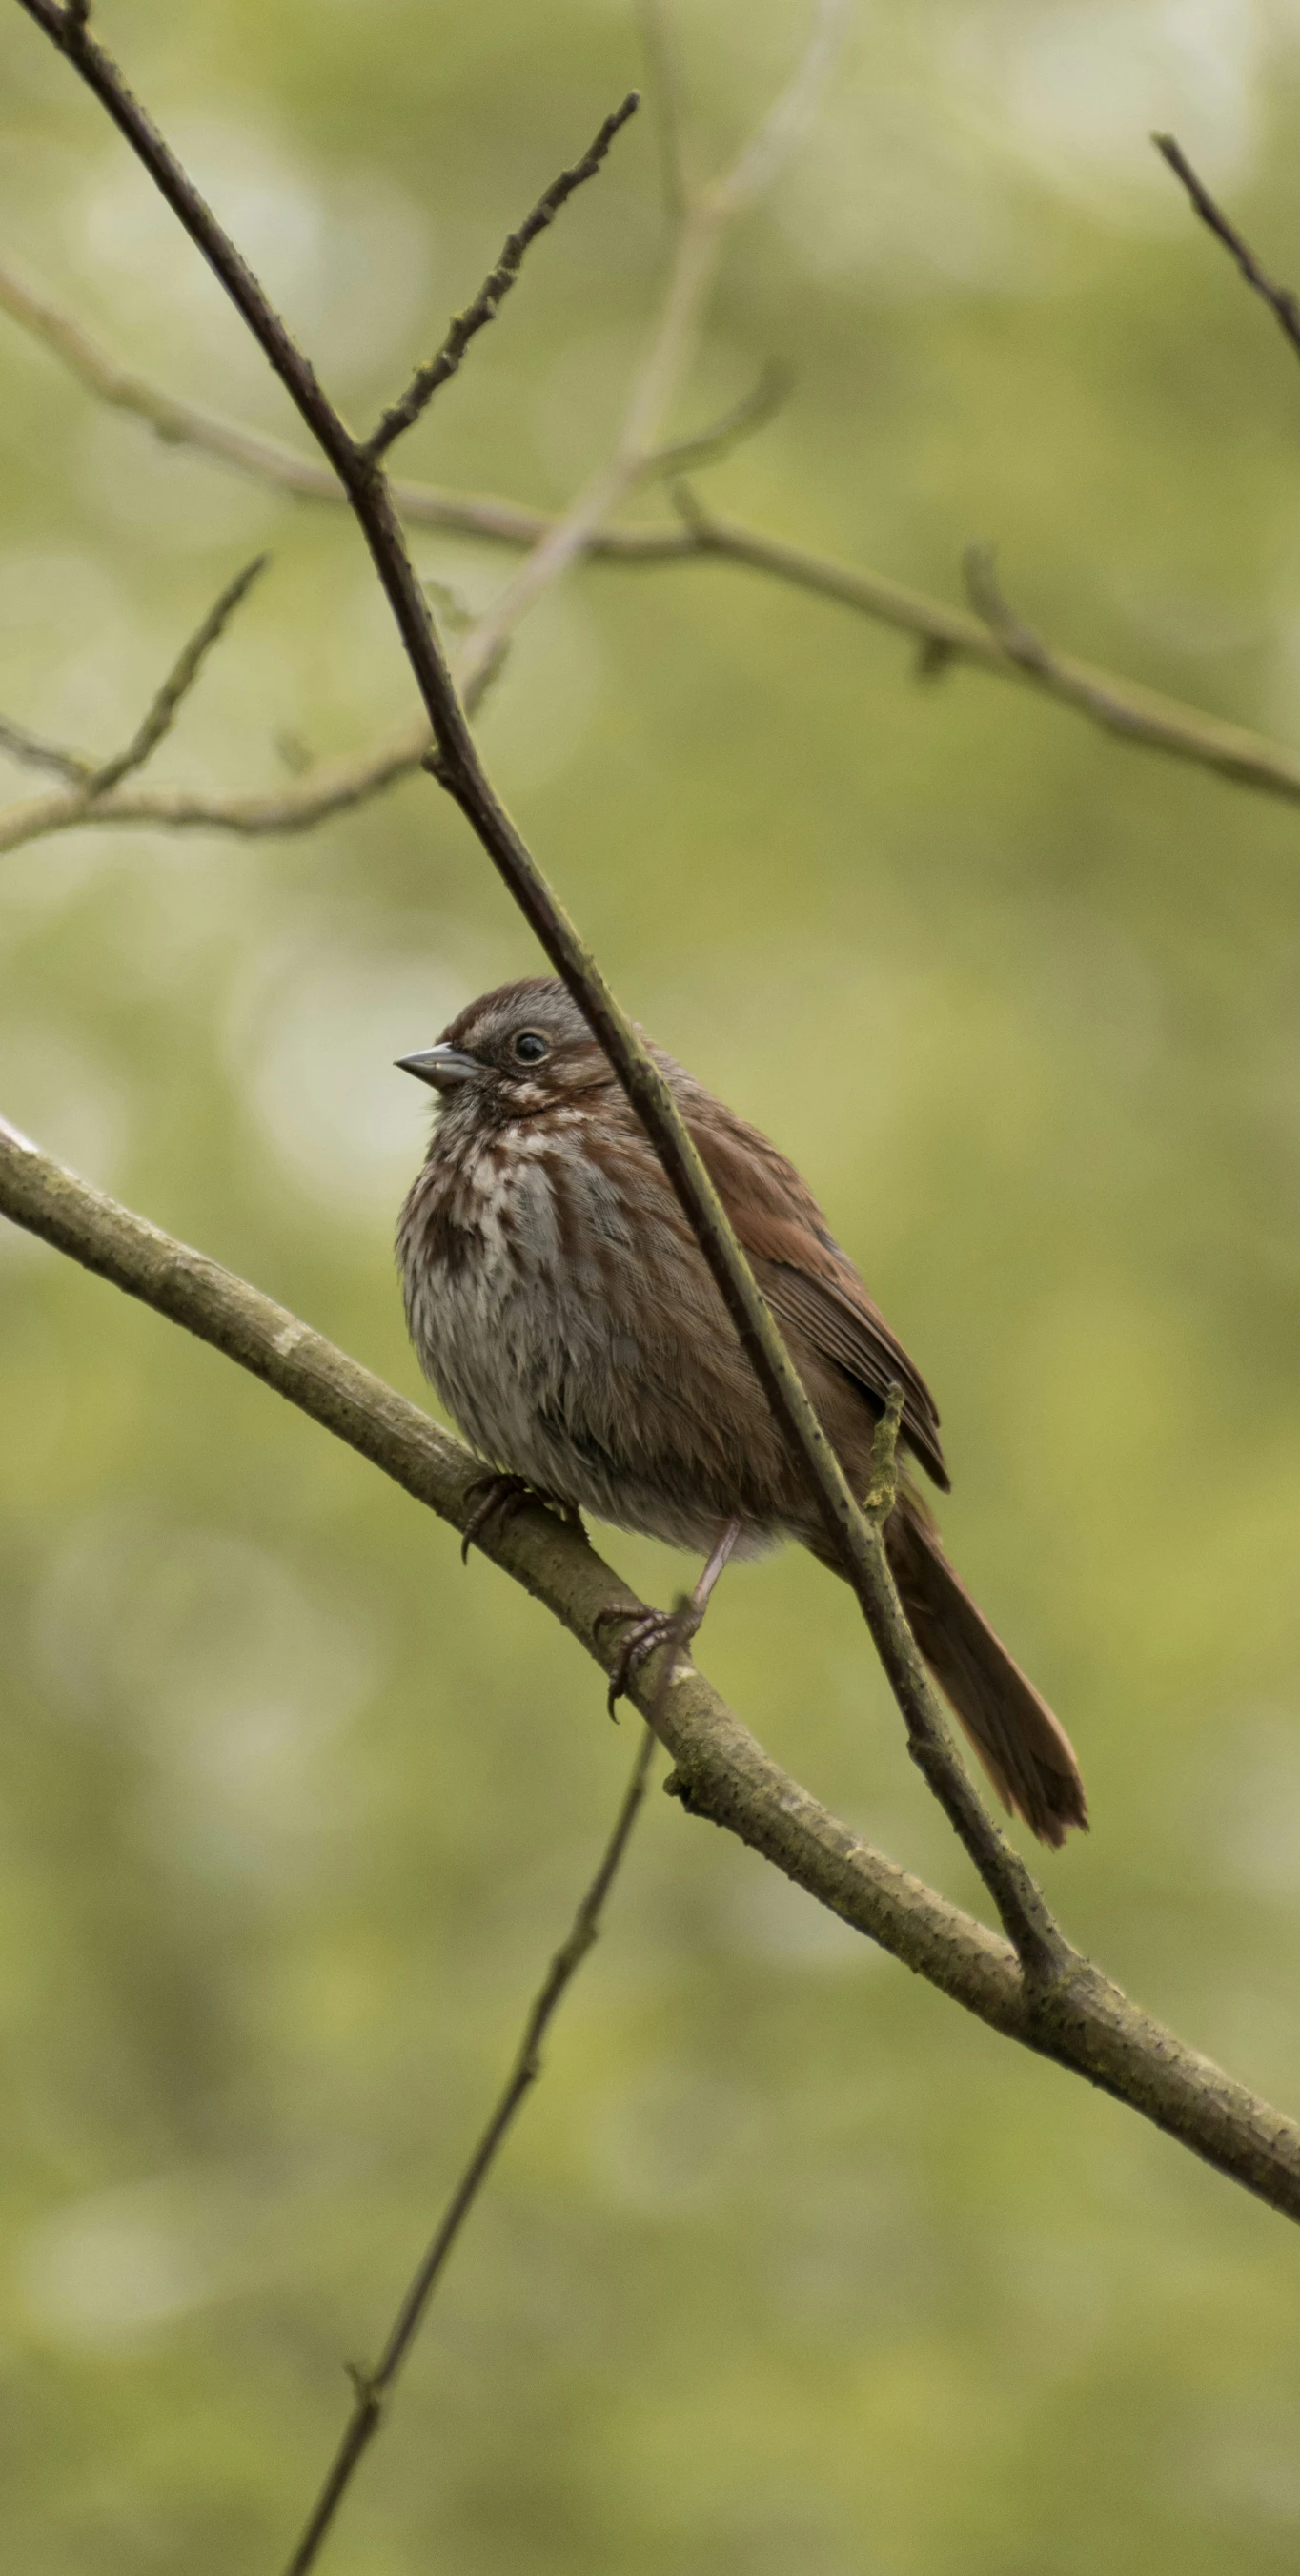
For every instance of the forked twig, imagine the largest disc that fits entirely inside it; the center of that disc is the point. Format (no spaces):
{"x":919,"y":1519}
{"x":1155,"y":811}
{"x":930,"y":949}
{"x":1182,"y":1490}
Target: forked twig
{"x":373,"y":2387}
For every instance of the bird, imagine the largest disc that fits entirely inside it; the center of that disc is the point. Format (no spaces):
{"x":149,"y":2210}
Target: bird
{"x":560,"y":1305}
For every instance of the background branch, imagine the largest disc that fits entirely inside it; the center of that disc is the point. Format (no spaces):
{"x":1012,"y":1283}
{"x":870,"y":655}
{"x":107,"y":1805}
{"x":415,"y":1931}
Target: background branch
{"x":667,"y":103}
{"x":1082,"y":2021}
{"x":37,"y":754}
{"x":162,"y":712}
{"x":1139,"y":715}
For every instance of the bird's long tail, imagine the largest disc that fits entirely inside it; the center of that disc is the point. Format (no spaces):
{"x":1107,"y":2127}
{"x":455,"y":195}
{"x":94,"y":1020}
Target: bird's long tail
{"x":1026,"y":1752}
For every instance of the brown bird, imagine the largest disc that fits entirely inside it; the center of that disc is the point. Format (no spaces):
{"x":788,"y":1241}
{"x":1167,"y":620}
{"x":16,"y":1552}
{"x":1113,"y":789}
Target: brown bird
{"x":560,"y":1304}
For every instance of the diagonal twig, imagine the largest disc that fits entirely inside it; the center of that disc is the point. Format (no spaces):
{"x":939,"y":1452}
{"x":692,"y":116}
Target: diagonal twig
{"x":162,"y":712}
{"x":790,"y":114}
{"x":702,"y":447}
{"x":1283,"y":303}
{"x":372,"y":2388}
{"x":36,"y":754}
{"x":90,"y":779}
{"x":427,"y":380}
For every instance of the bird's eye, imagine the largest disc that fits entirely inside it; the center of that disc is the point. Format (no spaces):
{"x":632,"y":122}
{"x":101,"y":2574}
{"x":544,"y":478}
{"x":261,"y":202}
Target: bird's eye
{"x":529,"y":1047}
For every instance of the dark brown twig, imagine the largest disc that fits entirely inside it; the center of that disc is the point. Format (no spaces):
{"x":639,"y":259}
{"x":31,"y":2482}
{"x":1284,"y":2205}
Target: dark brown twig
{"x":427,"y":380}
{"x":373,"y":2387}
{"x":1280,"y":299}
{"x":177,"y":685}
{"x":1019,"y":1901}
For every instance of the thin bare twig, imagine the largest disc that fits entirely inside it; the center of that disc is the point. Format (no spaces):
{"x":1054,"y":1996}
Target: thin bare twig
{"x":185,"y":670}
{"x":1084,"y":2023}
{"x":29,"y":748}
{"x":708,"y":446}
{"x":426,"y":381}
{"x":1280,"y":299}
{"x":90,"y":779}
{"x":788,"y":118}
{"x":374,"y":2387}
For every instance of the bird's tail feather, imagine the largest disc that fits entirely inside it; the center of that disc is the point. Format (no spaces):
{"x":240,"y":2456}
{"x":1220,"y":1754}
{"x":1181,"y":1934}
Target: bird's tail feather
{"x":1026,"y":1752}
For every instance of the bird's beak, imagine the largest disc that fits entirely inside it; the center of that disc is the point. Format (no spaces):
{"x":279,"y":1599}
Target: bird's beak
{"x":443,"y":1066}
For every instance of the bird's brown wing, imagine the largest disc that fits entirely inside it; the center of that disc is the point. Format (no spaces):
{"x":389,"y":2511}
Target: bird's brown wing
{"x":847,"y":1327}
{"x":809,"y":1283}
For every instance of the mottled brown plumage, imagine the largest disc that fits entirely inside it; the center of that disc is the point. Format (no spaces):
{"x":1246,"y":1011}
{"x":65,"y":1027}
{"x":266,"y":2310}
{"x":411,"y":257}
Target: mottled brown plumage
{"x":561,"y":1306}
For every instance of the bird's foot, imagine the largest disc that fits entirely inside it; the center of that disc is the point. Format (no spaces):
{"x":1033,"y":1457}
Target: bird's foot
{"x":648,"y":1630}
{"x":500,"y":1497}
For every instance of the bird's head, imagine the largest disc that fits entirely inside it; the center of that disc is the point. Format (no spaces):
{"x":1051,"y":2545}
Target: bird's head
{"x":523,"y":1048}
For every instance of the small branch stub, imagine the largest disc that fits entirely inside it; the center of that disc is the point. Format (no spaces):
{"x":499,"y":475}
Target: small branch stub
{"x":883,"y":1491}
{"x":979,"y":568}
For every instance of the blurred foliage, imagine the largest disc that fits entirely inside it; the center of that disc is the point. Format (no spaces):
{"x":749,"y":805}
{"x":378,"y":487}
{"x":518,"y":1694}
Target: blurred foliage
{"x":790,"y":2267}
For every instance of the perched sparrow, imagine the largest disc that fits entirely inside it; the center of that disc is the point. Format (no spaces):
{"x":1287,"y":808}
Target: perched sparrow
{"x":560,"y":1304}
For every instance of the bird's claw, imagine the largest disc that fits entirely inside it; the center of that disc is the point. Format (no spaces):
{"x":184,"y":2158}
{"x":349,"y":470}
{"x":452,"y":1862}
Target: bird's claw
{"x":500,"y":1497}
{"x":648,"y":1630}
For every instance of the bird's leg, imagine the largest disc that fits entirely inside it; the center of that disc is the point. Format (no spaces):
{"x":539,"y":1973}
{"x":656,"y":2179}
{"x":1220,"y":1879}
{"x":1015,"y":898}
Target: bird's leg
{"x":500,"y":1496}
{"x":650,"y":1629}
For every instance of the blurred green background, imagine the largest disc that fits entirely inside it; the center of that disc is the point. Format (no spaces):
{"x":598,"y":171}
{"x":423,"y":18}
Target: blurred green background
{"x":790,"y":2266}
